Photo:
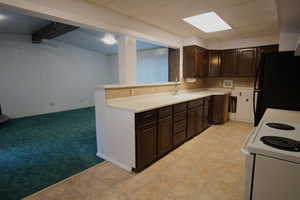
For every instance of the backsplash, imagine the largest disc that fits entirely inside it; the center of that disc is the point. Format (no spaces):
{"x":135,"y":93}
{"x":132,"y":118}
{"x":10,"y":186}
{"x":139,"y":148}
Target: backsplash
{"x":237,"y":82}
{"x":198,"y":83}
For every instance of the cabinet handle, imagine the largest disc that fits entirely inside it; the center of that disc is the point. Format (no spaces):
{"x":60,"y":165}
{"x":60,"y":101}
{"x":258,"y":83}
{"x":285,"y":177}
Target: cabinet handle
{"x":247,"y":100}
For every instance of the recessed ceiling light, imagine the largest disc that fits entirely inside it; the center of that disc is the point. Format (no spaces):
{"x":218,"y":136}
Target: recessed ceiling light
{"x":208,"y":22}
{"x":109,"y":39}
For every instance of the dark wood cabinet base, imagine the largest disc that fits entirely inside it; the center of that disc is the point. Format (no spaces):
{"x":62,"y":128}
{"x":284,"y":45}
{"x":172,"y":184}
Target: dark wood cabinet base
{"x":160,"y":131}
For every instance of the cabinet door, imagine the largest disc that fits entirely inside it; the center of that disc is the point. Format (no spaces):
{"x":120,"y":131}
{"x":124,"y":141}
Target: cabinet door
{"x":218,"y":112}
{"x":247,"y":62}
{"x":202,"y":62}
{"x":191,"y":122}
{"x":146,"y":145}
{"x":206,"y":111}
{"x":174,"y":59}
{"x":199,"y":119}
{"x":189,"y":62}
{"x":195,"y":121}
{"x":214,"y":63}
{"x":269,"y":48}
{"x":164,"y":135}
{"x":229,"y":63}
{"x":265,"y":49}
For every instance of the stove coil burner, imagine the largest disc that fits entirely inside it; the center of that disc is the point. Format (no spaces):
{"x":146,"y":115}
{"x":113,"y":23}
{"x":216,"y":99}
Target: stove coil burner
{"x":280,"y":126}
{"x":281,"y":143}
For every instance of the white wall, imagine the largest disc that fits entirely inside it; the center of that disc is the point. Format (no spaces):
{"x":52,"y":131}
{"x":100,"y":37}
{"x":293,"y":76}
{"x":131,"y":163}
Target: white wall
{"x":246,"y":42}
{"x":287,"y":41}
{"x":32,"y":76}
{"x":152,"y":66}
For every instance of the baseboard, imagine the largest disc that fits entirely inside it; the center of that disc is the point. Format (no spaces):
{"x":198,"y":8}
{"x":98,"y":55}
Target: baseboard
{"x":125,"y":167}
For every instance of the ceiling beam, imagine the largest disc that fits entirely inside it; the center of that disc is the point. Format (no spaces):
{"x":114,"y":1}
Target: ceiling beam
{"x":51,"y":31}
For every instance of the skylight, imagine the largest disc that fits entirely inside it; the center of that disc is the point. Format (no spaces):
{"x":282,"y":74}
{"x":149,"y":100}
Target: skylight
{"x":208,"y":22}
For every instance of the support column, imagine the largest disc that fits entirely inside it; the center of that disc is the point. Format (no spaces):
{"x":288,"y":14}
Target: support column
{"x":127,"y":60}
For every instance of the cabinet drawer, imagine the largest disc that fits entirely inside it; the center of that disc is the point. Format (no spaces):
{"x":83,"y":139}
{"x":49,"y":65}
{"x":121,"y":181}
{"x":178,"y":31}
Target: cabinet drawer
{"x":195,"y":103}
{"x":180,"y":107}
{"x":179,"y":126}
{"x":146,"y":117}
{"x":180,"y":116}
{"x":179,"y":138}
{"x":165,"y":112}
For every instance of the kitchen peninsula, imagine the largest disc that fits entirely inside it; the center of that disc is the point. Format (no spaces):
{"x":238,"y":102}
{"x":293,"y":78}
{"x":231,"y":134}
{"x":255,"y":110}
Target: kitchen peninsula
{"x":145,"y":122}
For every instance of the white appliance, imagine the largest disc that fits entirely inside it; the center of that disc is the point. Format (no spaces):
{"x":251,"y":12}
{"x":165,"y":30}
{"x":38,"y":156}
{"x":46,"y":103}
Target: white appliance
{"x":273,"y":161}
{"x":244,"y":105}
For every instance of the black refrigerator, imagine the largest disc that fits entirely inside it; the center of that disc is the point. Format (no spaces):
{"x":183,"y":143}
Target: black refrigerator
{"x":277,"y":83}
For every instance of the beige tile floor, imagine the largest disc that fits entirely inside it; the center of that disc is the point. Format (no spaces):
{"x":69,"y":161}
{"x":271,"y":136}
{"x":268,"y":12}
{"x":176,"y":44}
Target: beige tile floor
{"x":208,"y":167}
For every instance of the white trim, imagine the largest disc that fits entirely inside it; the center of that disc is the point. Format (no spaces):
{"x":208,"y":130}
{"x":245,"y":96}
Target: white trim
{"x":102,"y":156}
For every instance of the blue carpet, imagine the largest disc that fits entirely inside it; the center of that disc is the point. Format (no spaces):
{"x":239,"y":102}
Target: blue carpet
{"x":38,"y":151}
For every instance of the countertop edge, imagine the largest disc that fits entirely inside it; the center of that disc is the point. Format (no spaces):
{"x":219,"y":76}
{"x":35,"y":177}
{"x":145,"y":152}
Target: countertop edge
{"x":111,"y":105}
{"x":135,"y":85}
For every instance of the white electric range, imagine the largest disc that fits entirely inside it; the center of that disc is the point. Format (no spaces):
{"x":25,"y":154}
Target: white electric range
{"x":273,"y":158}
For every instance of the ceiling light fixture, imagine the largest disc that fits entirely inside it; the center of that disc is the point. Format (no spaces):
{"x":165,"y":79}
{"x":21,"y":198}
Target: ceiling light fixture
{"x":208,"y":22}
{"x":2,"y":17}
{"x":109,"y":39}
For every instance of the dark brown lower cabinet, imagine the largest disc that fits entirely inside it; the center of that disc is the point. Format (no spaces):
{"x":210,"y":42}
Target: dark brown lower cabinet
{"x":159,"y":131}
{"x":164,"y":134}
{"x":206,"y":112}
{"x":179,"y":138}
{"x":200,"y":117}
{"x":195,"y":121}
{"x":218,"y":113}
{"x":146,"y":145}
{"x":179,"y":123}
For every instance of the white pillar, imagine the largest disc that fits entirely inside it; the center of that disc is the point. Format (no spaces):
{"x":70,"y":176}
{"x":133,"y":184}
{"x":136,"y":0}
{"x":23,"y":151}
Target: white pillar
{"x":127,"y":60}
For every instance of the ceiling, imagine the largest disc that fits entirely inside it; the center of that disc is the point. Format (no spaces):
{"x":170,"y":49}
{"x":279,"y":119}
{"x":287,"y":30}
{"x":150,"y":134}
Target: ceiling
{"x":17,"y":23}
{"x":289,"y":15}
{"x":249,"y":18}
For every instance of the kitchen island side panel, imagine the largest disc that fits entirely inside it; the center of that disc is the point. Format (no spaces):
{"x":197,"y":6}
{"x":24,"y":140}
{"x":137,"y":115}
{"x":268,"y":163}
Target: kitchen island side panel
{"x":115,"y":135}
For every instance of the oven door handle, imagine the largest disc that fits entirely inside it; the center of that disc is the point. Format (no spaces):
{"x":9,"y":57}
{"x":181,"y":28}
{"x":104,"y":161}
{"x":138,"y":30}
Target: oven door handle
{"x":244,"y":147}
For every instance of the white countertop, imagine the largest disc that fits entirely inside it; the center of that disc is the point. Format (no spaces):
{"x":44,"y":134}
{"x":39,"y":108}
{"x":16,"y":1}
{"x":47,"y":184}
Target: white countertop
{"x":117,"y":86}
{"x":143,"y":103}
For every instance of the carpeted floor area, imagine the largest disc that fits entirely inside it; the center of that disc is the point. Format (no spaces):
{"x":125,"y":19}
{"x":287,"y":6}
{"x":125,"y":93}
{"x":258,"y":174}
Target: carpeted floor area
{"x":38,"y":151}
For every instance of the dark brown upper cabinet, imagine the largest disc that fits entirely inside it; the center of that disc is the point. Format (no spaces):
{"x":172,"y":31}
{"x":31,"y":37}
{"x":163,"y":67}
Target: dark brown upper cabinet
{"x":214,"y":63}
{"x":247,"y":62}
{"x":265,"y":49}
{"x":229,"y":62}
{"x":174,"y":55}
{"x":194,"y":62}
{"x":269,"y":48}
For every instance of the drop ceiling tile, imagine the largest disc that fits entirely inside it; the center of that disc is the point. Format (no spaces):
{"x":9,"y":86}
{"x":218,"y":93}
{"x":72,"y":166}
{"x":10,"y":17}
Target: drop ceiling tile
{"x":245,"y":16}
{"x":100,"y":2}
